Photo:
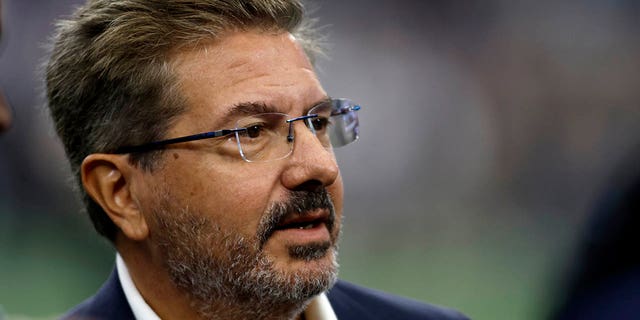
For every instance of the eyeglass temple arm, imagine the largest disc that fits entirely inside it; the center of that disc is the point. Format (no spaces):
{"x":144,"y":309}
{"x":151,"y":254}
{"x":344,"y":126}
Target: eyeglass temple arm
{"x":345,"y":110}
{"x":159,"y":144}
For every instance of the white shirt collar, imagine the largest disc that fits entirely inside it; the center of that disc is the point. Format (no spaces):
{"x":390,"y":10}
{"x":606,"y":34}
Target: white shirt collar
{"x":141,"y":310}
{"x":318,"y":309}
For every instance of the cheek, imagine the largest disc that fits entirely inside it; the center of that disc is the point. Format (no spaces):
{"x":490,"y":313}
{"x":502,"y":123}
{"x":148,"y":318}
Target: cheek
{"x":235,"y":195}
{"x":336,"y":191}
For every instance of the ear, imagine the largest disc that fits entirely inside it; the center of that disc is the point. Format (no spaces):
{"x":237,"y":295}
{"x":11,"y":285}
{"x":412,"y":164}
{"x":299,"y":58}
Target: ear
{"x":109,"y":180}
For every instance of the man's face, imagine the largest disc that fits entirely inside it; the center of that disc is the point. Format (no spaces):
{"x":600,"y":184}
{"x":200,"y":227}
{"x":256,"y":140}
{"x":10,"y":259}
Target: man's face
{"x":214,"y":217}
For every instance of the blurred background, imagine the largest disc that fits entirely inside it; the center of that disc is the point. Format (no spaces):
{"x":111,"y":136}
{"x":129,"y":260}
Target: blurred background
{"x":489,"y":130}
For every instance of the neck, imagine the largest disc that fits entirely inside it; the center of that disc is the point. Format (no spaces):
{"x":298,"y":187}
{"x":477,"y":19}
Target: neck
{"x":170,"y":302}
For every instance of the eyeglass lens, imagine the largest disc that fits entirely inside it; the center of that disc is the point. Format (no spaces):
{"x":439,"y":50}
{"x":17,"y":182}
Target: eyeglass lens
{"x":265,"y":136}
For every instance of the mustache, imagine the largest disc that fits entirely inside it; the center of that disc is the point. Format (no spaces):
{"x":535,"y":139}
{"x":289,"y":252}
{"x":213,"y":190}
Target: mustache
{"x":298,"y":203}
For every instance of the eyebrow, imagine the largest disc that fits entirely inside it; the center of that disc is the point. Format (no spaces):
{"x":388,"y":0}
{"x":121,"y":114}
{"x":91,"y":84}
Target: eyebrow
{"x":250,"y":108}
{"x":246,"y":109}
{"x":323,"y":100}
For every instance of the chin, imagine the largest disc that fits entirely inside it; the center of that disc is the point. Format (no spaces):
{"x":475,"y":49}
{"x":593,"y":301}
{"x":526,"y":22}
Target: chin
{"x":315,"y":259}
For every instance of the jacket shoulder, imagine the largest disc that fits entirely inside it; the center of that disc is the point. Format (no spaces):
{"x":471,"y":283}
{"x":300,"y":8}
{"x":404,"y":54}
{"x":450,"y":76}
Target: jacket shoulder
{"x":350,"y":301}
{"x":109,"y":303}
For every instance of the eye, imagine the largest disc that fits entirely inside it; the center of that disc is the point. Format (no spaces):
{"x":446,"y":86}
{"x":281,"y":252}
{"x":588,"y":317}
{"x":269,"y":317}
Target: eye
{"x":320,"y":123}
{"x":254,"y":131}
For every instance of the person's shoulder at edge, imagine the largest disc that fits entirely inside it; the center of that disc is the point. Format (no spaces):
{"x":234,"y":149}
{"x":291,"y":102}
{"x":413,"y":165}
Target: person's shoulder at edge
{"x":351,"y":301}
{"x":108,"y":303}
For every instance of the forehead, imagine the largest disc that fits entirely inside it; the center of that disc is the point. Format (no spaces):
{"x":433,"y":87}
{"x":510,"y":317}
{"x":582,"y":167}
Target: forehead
{"x":244,"y":67}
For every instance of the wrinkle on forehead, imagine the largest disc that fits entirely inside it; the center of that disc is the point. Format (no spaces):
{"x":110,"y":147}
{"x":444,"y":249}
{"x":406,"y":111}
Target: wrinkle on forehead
{"x":270,"y":81}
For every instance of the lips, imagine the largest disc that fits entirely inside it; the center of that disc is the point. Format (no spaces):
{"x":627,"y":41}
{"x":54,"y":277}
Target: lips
{"x":305,"y":221}
{"x":308,"y":229}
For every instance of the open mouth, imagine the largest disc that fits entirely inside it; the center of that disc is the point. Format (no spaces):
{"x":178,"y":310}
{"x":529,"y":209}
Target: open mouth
{"x":304,"y":222}
{"x":306,"y":236}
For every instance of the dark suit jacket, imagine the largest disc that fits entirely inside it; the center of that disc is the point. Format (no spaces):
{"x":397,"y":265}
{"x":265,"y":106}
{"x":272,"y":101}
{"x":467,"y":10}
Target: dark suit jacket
{"x":350,"y":302}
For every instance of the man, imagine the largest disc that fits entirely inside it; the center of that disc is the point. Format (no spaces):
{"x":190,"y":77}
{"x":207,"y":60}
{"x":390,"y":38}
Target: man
{"x":202,"y":141}
{"x":5,"y":114}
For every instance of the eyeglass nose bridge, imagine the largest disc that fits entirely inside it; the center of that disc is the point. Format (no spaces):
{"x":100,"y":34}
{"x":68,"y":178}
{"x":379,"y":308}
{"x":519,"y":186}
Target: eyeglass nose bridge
{"x":290,"y":122}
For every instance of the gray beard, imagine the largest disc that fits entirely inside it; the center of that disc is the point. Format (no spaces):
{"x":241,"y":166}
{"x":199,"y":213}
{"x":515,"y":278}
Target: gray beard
{"x":228,"y":276}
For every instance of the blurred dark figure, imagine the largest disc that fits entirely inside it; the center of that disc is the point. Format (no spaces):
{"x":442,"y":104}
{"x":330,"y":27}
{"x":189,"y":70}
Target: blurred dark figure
{"x":605,"y":281}
{"x":5,"y":115}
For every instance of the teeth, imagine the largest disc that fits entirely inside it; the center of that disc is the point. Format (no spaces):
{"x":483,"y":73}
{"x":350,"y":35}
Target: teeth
{"x":309,"y":226}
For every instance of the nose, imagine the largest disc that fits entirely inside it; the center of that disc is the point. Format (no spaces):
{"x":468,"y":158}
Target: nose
{"x":311,"y":166}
